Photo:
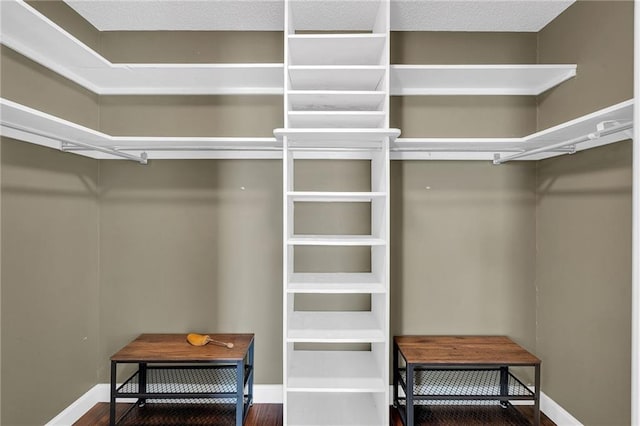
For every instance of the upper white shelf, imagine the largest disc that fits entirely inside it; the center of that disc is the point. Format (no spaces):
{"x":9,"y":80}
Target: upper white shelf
{"x":477,"y":79}
{"x":34,"y":35}
{"x":336,"y":49}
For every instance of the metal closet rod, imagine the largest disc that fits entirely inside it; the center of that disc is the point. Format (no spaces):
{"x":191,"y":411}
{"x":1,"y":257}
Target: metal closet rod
{"x":568,"y":149}
{"x":187,"y":148}
{"x":601,"y":132}
{"x":142,"y":159}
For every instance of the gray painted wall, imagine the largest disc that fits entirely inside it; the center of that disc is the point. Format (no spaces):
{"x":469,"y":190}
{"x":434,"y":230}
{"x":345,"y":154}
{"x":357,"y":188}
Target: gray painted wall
{"x":184,"y":248}
{"x":50,"y":293}
{"x":462,"y":251}
{"x":583,"y":274}
{"x":583,"y":217}
{"x":598,"y":36}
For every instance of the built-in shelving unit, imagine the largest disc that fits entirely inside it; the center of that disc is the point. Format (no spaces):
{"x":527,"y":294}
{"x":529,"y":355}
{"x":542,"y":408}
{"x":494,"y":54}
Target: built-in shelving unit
{"x":337,"y":106}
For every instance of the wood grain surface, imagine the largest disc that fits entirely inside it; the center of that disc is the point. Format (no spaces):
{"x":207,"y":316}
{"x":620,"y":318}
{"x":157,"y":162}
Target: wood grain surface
{"x":175,"y":348}
{"x":478,"y":350}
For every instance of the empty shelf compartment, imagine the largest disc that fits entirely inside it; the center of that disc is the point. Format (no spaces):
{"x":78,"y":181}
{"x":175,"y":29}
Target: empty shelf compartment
{"x":334,"y":371}
{"x":334,"y":327}
{"x":336,"y":49}
{"x":350,"y":409}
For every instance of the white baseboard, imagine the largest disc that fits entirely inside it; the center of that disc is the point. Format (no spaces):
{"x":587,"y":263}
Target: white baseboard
{"x":264,"y":394}
{"x":556,"y":413}
{"x":80,"y":406}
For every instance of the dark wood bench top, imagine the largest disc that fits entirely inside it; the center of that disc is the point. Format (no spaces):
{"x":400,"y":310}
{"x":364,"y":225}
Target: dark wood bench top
{"x":464,"y":350}
{"x":175,"y":348}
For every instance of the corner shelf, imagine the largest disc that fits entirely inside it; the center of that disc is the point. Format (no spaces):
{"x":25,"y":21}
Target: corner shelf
{"x":35,"y":36}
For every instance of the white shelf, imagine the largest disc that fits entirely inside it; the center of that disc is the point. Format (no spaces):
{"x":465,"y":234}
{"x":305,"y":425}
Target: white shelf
{"x":477,"y":79}
{"x":335,"y":240}
{"x":485,"y":148}
{"x":335,"y":100}
{"x":355,"y":409}
{"x":333,"y":371}
{"x":330,"y":197}
{"x":336,"y":49}
{"x":34,"y":126}
{"x":334,"y":327}
{"x":37,"y":37}
{"x":335,"y":283}
{"x":336,"y":135}
{"x":336,"y":119}
{"x":27,"y":124}
{"x":334,"y":77}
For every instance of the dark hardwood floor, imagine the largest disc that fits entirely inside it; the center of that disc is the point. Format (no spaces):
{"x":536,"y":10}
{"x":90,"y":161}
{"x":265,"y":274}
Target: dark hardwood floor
{"x":259,"y":415}
{"x":476,"y":416}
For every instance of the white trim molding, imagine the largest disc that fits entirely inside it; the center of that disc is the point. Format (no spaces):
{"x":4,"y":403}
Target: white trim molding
{"x":264,"y":394}
{"x":556,"y":413}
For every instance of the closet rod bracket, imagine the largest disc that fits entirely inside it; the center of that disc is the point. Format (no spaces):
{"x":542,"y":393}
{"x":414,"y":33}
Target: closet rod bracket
{"x":604,"y":128}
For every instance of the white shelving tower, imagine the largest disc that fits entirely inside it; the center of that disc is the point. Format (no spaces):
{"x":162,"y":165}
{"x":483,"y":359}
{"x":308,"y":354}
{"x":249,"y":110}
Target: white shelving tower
{"x":336,"y":100}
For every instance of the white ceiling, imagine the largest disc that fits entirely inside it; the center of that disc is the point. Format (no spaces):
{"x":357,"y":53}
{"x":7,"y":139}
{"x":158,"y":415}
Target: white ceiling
{"x":268,"y":15}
